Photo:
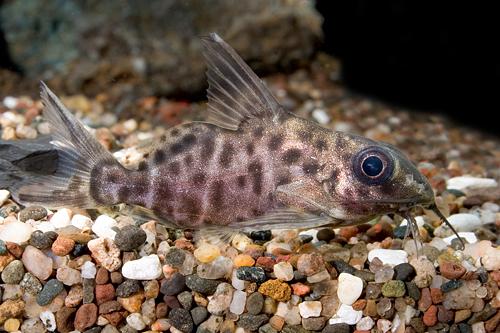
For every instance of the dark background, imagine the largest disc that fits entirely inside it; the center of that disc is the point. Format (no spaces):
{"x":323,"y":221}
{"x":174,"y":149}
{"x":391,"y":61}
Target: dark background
{"x":439,"y":57}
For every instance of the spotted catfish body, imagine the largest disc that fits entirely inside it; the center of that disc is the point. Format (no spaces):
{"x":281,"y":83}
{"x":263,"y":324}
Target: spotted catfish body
{"x":253,"y":165}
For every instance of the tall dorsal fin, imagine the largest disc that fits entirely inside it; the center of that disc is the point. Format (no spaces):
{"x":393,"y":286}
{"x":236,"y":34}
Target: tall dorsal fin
{"x":235,"y":92}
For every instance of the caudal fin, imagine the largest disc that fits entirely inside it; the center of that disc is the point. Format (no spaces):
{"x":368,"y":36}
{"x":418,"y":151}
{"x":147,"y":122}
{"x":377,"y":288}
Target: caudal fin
{"x":79,"y":152}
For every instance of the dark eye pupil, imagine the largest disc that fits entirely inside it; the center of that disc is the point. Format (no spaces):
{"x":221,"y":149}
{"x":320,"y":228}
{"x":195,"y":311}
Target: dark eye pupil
{"x":372,"y":166}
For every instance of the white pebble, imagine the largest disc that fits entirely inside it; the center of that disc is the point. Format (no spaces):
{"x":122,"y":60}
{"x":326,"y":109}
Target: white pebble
{"x":420,"y":221}
{"x":69,"y":276}
{"x":146,"y":268}
{"x":135,"y":321}
{"x":10,"y":102}
{"x":102,"y":227}
{"x":62,"y":218}
{"x":17,"y":232}
{"x":237,"y":283}
{"x":238,"y":303}
{"x":349,"y":289}
{"x":88,"y":270}
{"x":491,"y":206}
{"x":463,"y":182}
{"x":346,"y":314}
{"x":45,"y":226}
{"x":292,"y":317}
{"x":464,"y":221}
{"x":469,"y":236}
{"x":389,"y":257}
{"x":4,"y":196}
{"x":384,"y":325}
{"x":365,"y":324}
{"x":241,"y":241}
{"x":81,"y":221}
{"x":283,"y":271}
{"x":478,"y":327}
{"x":321,"y":116}
{"x":310,"y":309}
{"x":49,"y":320}
{"x":491,"y":259}
{"x":282,"y":309}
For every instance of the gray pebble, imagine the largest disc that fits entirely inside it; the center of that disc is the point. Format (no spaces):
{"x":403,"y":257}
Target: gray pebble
{"x":365,"y":275}
{"x":487,"y":312}
{"x":336,"y":328}
{"x":3,"y":248}
{"x":39,"y":240}
{"x":13,"y":273}
{"x":130,"y":237}
{"x":49,"y":291}
{"x":326,"y":234}
{"x":267,"y":328}
{"x":200,"y":285}
{"x":342,"y":267}
{"x":199,"y":314}
{"x":413,"y":291}
{"x":255,"y":302}
{"x":32,"y":213}
{"x":128,"y":329}
{"x":186,"y":299}
{"x":127,"y":288}
{"x":293,"y":329}
{"x":212,"y":325}
{"x":181,"y":319}
{"x":252,"y":322}
{"x":174,"y":257}
{"x":88,"y":290}
{"x":314,"y":324}
{"x":404,"y":272}
{"x":173,"y":285}
{"x":31,"y":284}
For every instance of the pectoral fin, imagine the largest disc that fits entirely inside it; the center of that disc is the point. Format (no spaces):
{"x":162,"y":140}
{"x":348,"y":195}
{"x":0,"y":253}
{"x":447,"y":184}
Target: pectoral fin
{"x":306,"y":194}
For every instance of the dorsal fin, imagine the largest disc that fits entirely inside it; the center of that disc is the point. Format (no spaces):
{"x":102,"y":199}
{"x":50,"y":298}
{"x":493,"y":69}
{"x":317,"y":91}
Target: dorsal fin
{"x":235,"y":92}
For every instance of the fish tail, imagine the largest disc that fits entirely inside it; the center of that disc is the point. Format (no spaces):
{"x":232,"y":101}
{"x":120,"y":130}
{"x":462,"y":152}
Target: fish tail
{"x":79,"y":155}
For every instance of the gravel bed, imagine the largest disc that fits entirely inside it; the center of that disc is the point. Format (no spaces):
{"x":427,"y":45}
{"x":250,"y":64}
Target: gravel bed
{"x":98,"y":271}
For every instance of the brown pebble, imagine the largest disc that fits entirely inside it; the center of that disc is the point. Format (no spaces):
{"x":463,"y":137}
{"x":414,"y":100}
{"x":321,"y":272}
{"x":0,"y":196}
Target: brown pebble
{"x":254,"y":252}
{"x":85,"y":316}
{"x":161,"y":310}
{"x":425,"y":300}
{"x":266,"y":263}
{"x":184,"y":244}
{"x":172,"y":301}
{"x":370,"y":309}
{"x":132,"y":303}
{"x":116,"y":277}
{"x":348,"y":232}
{"x":359,"y":305}
{"x":102,"y":276}
{"x":430,"y":316}
{"x":117,"y":317}
{"x":451,"y":270}
{"x":445,"y":315}
{"x":62,"y":246}
{"x":495,"y":275}
{"x":109,"y":307}
{"x":380,"y":231}
{"x":461,"y":315}
{"x":15,"y":249}
{"x":491,"y":324}
{"x":65,"y":319}
{"x":437,"y":295}
{"x":277,"y":322}
{"x":276,"y":289}
{"x":104,"y":293}
{"x":470,"y":275}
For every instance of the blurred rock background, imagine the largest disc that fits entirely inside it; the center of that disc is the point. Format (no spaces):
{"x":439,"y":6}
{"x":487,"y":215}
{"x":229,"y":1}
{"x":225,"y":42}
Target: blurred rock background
{"x":428,"y":56}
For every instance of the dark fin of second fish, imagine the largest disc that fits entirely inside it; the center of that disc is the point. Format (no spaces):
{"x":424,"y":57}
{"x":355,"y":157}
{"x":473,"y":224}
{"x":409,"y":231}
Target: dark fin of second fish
{"x":235,"y":92}
{"x":79,"y":153}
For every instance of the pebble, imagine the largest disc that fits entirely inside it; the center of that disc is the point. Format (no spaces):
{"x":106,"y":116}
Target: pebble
{"x":127,"y":288}
{"x":283,"y":271}
{"x":349,"y":289}
{"x":103,"y":227}
{"x":13,"y":273}
{"x":311,"y":263}
{"x":491,"y":259}
{"x":32,"y":213}
{"x":31,"y":284}
{"x":394,"y":288}
{"x":221,"y":300}
{"x":130,"y":237}
{"x":173,"y":285}
{"x":464,"y":222}
{"x":145,"y":268}
{"x":276,"y":289}
{"x":174,"y":257}
{"x":17,"y":232}
{"x":404,"y":272}
{"x":238,"y":302}
{"x":135,"y":321}
{"x":252,"y":322}
{"x":346,"y":314}
{"x":62,"y":218}
{"x":39,"y":240}
{"x":181,"y":320}
{"x":106,"y":252}
{"x":37,"y":263}
{"x":49,"y":320}
{"x":216,"y":269}
{"x":206,"y":252}
{"x":4,"y":196}
{"x":252,"y":274}
{"x":199,"y":314}
{"x":310,"y":309}
{"x":85,"y":316}
{"x":255,"y":303}
{"x":69,"y":276}
{"x":81,"y":221}
{"x":49,"y":292}
{"x":12,"y":325}
{"x":200,"y":285}
{"x":463,"y":182}
{"x":389,"y":257}
{"x":243,"y":260}
{"x":62,"y":246}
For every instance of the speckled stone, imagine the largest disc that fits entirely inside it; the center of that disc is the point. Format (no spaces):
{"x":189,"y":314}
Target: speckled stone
{"x":3,"y":248}
{"x":13,"y":273}
{"x":49,"y":291}
{"x":276,"y":289}
{"x":174,"y":257}
{"x":200,"y":285}
{"x":127,"y":288}
{"x":394,"y":288}
{"x":181,"y":319}
{"x":252,"y":274}
{"x":451,"y":285}
{"x":39,"y":240}
{"x":252,"y":322}
{"x":32,"y":213}
{"x":130,"y":237}
{"x":31,"y":284}
{"x":336,"y":328}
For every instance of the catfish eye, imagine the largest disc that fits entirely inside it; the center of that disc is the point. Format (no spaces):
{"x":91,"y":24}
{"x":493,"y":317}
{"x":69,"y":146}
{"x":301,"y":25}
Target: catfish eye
{"x":373,"y":165}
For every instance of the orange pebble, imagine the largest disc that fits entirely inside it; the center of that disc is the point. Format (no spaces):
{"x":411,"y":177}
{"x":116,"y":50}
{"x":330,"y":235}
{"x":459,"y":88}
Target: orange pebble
{"x":243,"y":260}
